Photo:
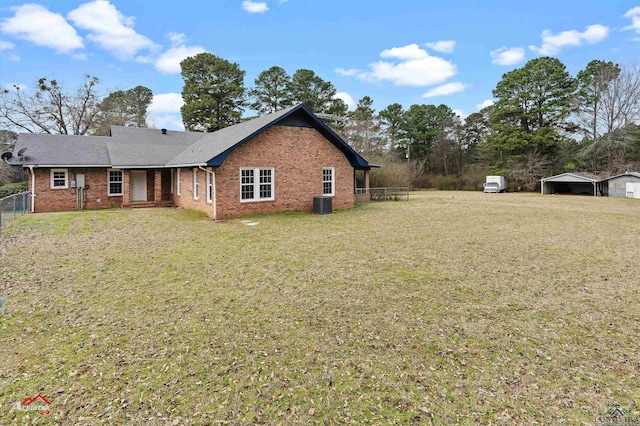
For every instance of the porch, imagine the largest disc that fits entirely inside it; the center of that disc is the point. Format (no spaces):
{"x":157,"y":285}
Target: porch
{"x":147,"y":188}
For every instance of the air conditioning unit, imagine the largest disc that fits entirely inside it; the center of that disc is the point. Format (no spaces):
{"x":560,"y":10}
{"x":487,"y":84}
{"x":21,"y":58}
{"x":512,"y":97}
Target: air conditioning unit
{"x":322,"y":205}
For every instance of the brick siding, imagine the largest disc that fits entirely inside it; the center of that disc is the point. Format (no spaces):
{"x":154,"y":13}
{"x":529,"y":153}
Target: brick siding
{"x":297,"y":155}
{"x":49,"y":199}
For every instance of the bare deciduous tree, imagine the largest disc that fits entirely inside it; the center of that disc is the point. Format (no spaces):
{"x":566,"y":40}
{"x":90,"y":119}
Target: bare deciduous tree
{"x":51,"y":108}
{"x":620,"y":108}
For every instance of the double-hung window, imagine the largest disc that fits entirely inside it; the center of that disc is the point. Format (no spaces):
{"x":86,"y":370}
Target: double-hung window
{"x":115,"y":182}
{"x":209,"y":187}
{"x":59,"y":179}
{"x":328,"y":181}
{"x":256,"y":184}
{"x":195,"y":183}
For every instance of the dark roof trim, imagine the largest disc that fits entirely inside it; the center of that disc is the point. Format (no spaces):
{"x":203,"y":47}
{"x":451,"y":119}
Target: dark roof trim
{"x":353,"y":157}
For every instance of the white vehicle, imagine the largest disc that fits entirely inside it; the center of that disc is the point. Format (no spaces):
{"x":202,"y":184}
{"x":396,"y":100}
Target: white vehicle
{"x":495,"y":184}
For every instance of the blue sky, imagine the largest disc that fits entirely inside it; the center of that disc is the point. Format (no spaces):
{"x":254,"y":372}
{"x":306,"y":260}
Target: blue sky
{"x":406,"y":51}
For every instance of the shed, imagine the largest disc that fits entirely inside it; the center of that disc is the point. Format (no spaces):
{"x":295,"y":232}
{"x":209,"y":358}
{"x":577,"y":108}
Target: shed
{"x":573,"y":183}
{"x":618,"y":184}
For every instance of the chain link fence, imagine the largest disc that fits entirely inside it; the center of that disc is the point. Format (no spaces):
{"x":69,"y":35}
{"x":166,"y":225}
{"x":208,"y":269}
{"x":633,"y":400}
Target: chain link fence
{"x":13,"y":206}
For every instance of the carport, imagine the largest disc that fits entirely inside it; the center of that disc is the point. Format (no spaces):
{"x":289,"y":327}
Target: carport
{"x":572,"y":184}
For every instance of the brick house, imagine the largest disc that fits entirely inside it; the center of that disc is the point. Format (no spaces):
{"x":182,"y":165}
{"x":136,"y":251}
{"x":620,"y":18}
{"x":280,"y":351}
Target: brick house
{"x":277,"y":162}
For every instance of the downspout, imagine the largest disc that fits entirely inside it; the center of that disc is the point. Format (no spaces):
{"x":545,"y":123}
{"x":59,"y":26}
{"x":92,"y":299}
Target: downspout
{"x":213,"y":183}
{"x":33,"y":189}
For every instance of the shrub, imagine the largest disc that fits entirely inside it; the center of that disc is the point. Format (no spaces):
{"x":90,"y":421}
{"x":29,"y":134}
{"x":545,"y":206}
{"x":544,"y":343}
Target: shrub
{"x":390,"y":174}
{"x":447,"y":182}
{"x":12,"y":188}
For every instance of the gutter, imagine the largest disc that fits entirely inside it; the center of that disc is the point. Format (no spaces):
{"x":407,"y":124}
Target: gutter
{"x":33,"y":189}
{"x":213,"y":182}
{"x":180,"y":166}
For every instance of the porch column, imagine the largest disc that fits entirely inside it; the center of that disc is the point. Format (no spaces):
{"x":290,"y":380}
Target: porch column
{"x":157,"y":187}
{"x":126,"y":189}
{"x":366,"y":181}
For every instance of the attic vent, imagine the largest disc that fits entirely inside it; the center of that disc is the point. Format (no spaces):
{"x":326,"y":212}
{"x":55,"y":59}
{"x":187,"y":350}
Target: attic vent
{"x":164,"y":131}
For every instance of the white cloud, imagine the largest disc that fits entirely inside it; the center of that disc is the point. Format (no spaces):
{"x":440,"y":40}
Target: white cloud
{"x":167,"y":121}
{"x":553,"y":44}
{"x":507,"y":56}
{"x":409,"y":52}
{"x":412,"y":66}
{"x":164,"y":111}
{"x":445,"y":46}
{"x":42,"y":27}
{"x":634,"y":15}
{"x":348,"y":72}
{"x":485,"y":103}
{"x":166,"y":103}
{"x":109,"y":28}
{"x":169,"y":61}
{"x":6,"y":45}
{"x":445,"y":89}
{"x":254,"y":7}
{"x":346,"y":98}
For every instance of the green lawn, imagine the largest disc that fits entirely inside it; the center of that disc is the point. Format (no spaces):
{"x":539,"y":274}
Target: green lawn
{"x":454,"y":307}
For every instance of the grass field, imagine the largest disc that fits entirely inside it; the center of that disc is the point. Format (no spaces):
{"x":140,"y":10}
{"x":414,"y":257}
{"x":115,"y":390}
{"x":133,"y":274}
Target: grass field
{"x":453,"y":307}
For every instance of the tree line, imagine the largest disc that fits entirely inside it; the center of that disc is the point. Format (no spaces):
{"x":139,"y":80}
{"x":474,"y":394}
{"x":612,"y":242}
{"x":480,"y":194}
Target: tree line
{"x":543,"y":122}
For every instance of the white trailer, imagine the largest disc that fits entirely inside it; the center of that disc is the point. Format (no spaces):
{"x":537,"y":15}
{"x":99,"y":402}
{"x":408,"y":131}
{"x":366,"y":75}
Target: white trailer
{"x":495,"y":184}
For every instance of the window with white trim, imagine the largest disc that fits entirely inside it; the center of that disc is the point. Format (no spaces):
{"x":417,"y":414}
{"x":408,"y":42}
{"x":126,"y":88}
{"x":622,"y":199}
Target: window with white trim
{"x":178,"y":181}
{"x":328,"y":181}
{"x":209,"y":187}
{"x":256,"y":184}
{"x":195,"y":183}
{"x":115,"y":182}
{"x":59,"y":178}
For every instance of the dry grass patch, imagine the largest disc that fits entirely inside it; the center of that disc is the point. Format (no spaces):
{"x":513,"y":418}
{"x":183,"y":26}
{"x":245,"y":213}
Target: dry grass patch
{"x":450,"y":308}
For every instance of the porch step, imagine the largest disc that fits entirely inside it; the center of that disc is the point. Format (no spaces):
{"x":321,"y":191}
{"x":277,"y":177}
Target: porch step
{"x":142,"y":204}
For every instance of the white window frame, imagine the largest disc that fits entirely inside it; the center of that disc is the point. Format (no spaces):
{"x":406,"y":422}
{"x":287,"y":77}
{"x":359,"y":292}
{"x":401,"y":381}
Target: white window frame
{"x":257,"y":184}
{"x":66,"y":178}
{"x":209,"y":187}
{"x":109,"y":182}
{"x":195,"y":183}
{"x":178,"y":182}
{"x":331,"y":181}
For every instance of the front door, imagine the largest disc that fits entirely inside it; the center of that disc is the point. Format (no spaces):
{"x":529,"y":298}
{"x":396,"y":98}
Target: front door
{"x":138,"y":185}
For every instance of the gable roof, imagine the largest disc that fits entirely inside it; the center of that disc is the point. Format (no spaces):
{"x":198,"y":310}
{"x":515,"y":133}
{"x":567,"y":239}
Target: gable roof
{"x":130,"y":147}
{"x":214,"y":144}
{"x":215,"y":147}
{"x":141,"y":147}
{"x":634,"y":174}
{"x":61,"y":150}
{"x":573,"y":177}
